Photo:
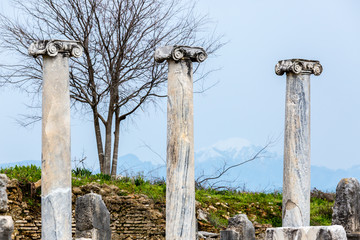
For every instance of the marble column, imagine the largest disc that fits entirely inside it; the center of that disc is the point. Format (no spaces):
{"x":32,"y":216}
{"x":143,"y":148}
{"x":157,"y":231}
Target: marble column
{"x":56,"y":165}
{"x":180,"y":180}
{"x":296,"y":179}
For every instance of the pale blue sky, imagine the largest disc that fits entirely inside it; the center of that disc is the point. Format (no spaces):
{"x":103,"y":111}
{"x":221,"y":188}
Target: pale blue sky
{"x":248,"y":102}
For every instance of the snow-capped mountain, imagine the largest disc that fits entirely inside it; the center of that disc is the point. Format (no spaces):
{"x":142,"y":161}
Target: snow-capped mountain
{"x":264,"y":173}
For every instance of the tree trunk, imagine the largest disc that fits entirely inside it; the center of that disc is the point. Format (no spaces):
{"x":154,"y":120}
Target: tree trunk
{"x":116,"y":144}
{"x":107,"y":157}
{"x":98,"y":140}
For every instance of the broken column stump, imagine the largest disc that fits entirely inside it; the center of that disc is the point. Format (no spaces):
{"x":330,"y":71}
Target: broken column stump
{"x":243,"y":226}
{"x":92,"y":218}
{"x":346,"y":210}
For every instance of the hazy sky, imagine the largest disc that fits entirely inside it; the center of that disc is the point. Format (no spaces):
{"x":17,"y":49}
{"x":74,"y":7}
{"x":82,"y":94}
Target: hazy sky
{"x":248,"y":102}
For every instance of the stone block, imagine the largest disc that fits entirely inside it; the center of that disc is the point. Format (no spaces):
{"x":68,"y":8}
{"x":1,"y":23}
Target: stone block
{"x":241,"y":224}
{"x":353,"y":236}
{"x":6,"y":227}
{"x":3,"y":200}
{"x":3,"y":194}
{"x":3,"y":180}
{"x":346,"y":211}
{"x":92,"y":218}
{"x":229,"y":235}
{"x":335,"y":232}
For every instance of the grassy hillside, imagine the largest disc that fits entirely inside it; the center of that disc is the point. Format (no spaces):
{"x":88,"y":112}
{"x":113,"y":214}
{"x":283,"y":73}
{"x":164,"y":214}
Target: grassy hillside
{"x":261,"y":208}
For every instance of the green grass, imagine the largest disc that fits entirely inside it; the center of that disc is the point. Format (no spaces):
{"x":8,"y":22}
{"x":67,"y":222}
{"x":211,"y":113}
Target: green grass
{"x":264,"y":208}
{"x":25,"y":174}
{"x":320,"y":212}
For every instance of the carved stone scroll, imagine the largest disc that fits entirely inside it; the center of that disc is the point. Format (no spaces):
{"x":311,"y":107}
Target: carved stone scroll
{"x":53,"y":47}
{"x":176,"y":53}
{"x":298,"y":66}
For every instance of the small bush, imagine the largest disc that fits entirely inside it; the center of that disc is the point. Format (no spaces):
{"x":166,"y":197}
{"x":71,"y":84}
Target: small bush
{"x":139,"y":180}
{"x":101,"y":176}
{"x":81,"y":172}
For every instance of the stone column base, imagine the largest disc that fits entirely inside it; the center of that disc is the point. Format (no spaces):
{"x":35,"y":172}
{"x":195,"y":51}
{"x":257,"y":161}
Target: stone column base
{"x":335,"y":232}
{"x":353,"y":236}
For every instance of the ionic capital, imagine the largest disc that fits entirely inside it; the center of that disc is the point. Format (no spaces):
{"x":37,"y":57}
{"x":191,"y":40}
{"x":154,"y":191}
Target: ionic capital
{"x":53,"y":47}
{"x":176,"y":53}
{"x":298,"y":66}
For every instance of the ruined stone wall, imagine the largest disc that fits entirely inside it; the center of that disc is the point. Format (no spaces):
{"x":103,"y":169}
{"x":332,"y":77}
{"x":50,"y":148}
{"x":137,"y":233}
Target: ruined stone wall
{"x":132,"y":216}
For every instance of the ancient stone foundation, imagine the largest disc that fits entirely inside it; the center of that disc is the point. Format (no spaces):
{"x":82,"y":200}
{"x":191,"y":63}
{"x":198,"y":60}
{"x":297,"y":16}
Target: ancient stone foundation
{"x":335,"y":232}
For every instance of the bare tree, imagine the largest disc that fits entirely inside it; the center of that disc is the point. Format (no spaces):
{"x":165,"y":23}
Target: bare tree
{"x":116,"y":76}
{"x":214,"y":181}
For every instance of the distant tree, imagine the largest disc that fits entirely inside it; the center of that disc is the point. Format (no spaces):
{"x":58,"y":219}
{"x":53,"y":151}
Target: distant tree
{"x":116,"y":75}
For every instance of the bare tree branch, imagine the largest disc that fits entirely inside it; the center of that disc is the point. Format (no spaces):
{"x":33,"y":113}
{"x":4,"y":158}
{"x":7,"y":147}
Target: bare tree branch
{"x":116,"y":77}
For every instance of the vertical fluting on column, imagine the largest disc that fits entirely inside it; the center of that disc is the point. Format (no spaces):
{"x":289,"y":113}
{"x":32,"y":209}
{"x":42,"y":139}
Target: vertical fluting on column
{"x":55,"y":159}
{"x":180,"y":179}
{"x":297,"y":164}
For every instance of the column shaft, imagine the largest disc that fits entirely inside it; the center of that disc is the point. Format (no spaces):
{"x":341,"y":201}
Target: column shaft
{"x":296,"y":185}
{"x":56,"y":165}
{"x":180,"y":180}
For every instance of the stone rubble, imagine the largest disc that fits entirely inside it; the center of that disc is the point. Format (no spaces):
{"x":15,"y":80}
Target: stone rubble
{"x":334,"y":232}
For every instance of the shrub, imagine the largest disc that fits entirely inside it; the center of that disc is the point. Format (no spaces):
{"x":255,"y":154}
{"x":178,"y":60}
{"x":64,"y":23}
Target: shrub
{"x":81,"y":172}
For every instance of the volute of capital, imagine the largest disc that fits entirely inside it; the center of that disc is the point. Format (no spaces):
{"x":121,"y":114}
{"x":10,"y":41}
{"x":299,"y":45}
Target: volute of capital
{"x":298,"y":66}
{"x":176,"y":53}
{"x":53,"y":47}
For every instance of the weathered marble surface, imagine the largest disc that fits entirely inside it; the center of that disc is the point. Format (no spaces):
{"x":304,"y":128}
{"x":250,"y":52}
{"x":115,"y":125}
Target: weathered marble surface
{"x":92,"y":218}
{"x":296,"y":179}
{"x":180,"y":179}
{"x":3,"y":194}
{"x":335,"y":232}
{"x":6,"y":227}
{"x":346,"y":210}
{"x":56,"y":164}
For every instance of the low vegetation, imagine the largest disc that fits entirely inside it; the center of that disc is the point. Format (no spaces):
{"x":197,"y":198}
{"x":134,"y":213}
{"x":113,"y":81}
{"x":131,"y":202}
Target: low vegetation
{"x":261,"y":208}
